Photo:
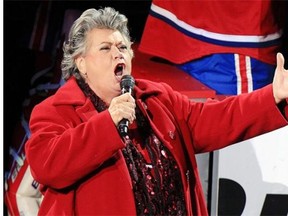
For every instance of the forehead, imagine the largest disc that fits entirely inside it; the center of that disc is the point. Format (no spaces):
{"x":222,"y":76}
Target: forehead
{"x":98,"y":36}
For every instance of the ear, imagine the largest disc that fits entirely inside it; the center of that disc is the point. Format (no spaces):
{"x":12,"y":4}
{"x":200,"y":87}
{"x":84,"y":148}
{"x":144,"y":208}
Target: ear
{"x":81,"y":65}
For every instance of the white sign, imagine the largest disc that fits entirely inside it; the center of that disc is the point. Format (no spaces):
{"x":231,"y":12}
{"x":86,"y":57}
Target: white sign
{"x":252,"y":176}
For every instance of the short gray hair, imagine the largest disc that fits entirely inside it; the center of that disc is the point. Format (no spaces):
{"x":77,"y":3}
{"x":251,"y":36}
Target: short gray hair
{"x":106,"y":18}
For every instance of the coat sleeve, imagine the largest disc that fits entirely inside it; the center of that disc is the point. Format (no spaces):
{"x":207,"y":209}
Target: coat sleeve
{"x":61,"y":152}
{"x":216,"y":124}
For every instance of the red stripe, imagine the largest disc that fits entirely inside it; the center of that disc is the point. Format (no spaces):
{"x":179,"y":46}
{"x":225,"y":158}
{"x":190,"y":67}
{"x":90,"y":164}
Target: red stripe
{"x":13,"y":186}
{"x":243,"y":74}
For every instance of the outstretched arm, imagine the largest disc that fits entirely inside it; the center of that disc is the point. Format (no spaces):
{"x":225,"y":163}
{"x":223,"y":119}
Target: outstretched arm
{"x":280,"y":82}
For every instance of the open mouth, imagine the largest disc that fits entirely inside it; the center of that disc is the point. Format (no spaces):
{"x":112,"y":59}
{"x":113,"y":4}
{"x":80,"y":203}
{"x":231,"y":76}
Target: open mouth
{"x":119,"y":70}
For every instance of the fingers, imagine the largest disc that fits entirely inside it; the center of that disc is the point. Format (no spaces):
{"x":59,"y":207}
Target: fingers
{"x":127,"y":97}
{"x":121,"y":107}
{"x":280,"y":61}
{"x":280,"y":81}
{"x":125,"y":110}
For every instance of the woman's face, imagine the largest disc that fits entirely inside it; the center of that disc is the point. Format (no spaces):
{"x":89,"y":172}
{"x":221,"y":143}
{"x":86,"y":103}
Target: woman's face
{"x":106,"y":60}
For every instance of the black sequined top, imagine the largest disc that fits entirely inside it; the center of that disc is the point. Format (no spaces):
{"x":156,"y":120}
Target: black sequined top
{"x":155,"y":175}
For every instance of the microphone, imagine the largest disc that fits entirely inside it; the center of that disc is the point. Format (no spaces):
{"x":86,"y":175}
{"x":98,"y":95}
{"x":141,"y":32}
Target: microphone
{"x":127,"y":84}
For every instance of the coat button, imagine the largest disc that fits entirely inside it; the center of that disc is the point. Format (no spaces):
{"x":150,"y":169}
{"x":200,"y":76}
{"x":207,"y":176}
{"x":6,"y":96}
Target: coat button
{"x":172,"y":135}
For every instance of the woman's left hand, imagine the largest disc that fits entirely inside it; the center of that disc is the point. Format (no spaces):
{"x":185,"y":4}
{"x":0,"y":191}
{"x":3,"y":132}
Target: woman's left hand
{"x":280,"y":82}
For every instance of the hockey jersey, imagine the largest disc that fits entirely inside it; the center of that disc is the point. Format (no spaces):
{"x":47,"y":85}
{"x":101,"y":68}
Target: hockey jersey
{"x":181,"y":30}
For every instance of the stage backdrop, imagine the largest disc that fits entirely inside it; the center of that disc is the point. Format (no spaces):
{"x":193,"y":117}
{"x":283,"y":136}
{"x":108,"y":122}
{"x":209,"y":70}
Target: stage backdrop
{"x":251,"y":177}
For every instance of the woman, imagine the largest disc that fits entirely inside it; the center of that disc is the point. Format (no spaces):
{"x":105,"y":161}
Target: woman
{"x":83,"y":164}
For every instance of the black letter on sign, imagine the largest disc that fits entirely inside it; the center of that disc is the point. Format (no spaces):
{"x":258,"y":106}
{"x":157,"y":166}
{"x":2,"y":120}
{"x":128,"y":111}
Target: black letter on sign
{"x":231,"y":199}
{"x":275,"y":204}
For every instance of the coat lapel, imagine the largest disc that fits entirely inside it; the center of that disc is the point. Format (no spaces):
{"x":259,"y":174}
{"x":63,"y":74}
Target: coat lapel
{"x":70,"y":94}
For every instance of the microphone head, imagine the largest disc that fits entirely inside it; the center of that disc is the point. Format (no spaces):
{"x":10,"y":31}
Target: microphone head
{"x":127,"y":82}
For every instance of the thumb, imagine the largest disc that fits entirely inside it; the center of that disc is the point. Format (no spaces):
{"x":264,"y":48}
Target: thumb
{"x":280,"y":60}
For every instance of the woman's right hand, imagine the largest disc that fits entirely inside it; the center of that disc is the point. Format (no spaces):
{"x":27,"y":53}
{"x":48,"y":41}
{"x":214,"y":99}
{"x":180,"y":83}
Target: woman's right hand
{"x":122,"y":106}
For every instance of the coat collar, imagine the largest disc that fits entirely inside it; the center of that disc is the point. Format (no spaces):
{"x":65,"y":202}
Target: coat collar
{"x":70,"y":93}
{"x":145,"y":88}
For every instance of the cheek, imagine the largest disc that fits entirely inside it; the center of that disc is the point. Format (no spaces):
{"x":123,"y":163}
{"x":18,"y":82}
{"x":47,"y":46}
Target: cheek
{"x":95,"y":66}
{"x":129,"y":64}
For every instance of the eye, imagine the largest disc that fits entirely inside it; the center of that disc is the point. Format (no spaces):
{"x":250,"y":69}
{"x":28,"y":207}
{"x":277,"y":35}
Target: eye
{"x":122,"y":47}
{"x":105,"y":48}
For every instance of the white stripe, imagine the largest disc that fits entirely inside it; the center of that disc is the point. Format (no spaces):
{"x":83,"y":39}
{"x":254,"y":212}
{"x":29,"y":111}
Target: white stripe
{"x":213,"y":35}
{"x":249,"y":73}
{"x":238,"y":74}
{"x":28,"y":198}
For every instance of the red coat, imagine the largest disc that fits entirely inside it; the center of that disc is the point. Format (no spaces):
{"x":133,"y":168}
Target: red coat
{"x":75,"y":152}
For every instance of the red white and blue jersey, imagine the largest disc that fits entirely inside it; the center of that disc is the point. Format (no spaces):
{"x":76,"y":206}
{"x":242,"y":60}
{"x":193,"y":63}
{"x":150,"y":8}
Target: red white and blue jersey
{"x":184,"y":30}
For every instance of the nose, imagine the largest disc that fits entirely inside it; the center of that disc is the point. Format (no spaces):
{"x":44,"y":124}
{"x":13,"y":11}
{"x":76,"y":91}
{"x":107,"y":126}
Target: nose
{"x":116,"y":53}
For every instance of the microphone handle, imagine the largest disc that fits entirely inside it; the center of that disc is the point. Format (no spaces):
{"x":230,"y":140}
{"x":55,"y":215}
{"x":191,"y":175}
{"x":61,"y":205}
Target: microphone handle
{"x":123,"y":127}
{"x":125,"y":90}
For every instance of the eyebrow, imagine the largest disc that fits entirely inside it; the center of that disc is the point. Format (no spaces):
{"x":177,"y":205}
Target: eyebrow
{"x":110,"y":43}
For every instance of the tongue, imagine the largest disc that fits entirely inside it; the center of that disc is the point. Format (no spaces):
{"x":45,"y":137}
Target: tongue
{"x":118,"y":73}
